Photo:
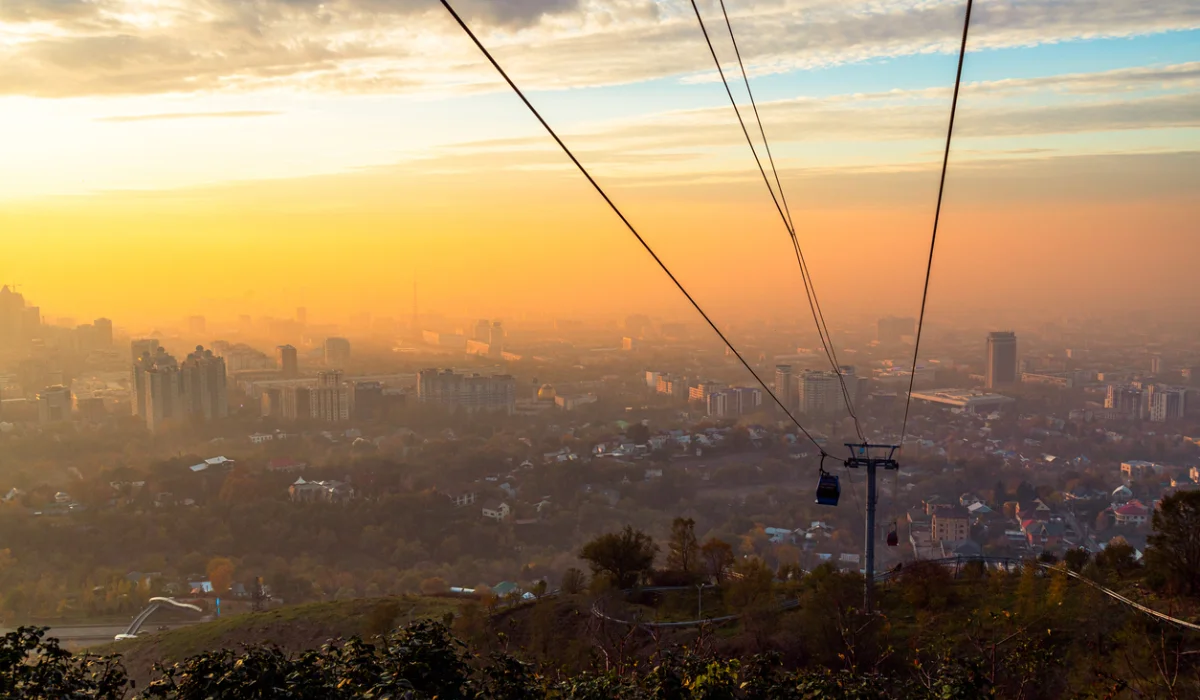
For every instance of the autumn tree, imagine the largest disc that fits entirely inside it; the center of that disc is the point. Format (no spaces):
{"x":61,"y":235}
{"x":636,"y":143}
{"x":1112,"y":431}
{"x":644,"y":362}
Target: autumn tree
{"x":683,"y":550}
{"x":718,"y":557}
{"x":625,"y":555}
{"x":1174,"y":550}
{"x":434,"y":586}
{"x":220,"y":574}
{"x":573,"y":581}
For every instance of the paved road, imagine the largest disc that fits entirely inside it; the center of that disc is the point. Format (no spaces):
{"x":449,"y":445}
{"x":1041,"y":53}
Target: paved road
{"x":75,"y":636}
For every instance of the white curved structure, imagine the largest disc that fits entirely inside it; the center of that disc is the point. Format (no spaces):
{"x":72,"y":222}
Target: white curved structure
{"x":155,"y":603}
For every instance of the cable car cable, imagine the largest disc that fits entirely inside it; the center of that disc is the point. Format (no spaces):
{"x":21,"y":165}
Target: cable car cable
{"x":487,"y":54}
{"x":809,"y":288}
{"x":937,"y":213}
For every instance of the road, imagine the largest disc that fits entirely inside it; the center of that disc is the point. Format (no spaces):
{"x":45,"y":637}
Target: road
{"x":78,"y":636}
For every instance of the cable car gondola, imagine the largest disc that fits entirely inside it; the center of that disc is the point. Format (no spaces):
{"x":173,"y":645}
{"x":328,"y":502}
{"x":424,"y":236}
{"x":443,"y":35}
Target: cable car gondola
{"x":828,"y":489}
{"x":893,"y":539}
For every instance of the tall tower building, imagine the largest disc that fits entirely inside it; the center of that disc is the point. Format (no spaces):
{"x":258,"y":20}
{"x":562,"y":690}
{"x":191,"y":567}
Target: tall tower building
{"x":202,"y":382}
{"x":161,"y":395}
{"x":1001,"y":359}
{"x":103,"y":332}
{"x":330,"y":400}
{"x":784,"y":386}
{"x":337,"y":352}
{"x":820,"y":393}
{"x":142,"y":352}
{"x":288,"y":360}
{"x":1166,"y":403}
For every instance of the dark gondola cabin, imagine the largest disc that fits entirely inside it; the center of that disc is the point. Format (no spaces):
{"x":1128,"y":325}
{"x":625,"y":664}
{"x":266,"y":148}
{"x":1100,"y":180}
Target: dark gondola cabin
{"x":828,"y":490}
{"x":893,"y":539}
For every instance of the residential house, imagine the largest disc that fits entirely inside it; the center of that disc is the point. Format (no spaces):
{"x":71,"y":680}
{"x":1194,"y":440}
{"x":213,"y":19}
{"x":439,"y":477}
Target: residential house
{"x":302,"y":491}
{"x":952,"y":524}
{"x":260,"y":438}
{"x":1132,"y":513}
{"x":462,"y":498}
{"x":778,"y":535}
{"x":653,"y":474}
{"x":1122,"y":495}
{"x":1045,"y":535}
{"x":496,"y":510}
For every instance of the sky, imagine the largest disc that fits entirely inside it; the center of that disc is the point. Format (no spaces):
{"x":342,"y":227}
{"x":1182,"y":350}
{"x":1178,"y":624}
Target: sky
{"x":160,"y":158}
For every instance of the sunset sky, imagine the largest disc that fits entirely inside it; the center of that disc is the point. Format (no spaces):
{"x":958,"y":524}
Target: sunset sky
{"x":166,"y":157}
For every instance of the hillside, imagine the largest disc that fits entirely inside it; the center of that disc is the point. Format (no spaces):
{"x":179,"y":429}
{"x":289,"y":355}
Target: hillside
{"x":292,"y":628}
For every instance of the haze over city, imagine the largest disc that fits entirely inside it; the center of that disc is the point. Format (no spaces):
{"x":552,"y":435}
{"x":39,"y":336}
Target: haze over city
{"x":483,"y":348}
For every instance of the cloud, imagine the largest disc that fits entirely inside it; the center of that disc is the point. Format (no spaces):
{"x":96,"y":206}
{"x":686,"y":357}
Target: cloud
{"x":407,"y":45}
{"x":1070,"y":104}
{"x":186,"y":115}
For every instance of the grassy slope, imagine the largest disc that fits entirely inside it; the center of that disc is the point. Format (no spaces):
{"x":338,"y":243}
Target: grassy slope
{"x":292,"y":628}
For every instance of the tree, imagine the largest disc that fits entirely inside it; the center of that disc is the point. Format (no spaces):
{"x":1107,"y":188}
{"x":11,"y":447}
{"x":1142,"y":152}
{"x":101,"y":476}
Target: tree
{"x":753,"y":587}
{"x":573,"y":581}
{"x":683,"y":550}
{"x":1117,"y":557}
{"x":638,"y":434}
{"x":220,"y":574}
{"x":624,"y":555}
{"x":1174,"y":549}
{"x":434,"y":586}
{"x":718,"y":557}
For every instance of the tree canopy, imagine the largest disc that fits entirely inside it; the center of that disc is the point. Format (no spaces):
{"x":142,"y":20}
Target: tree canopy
{"x":625,"y":555}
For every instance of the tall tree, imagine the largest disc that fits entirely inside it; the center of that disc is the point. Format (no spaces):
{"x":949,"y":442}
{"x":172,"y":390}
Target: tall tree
{"x":718,"y":557}
{"x":624,"y":555}
{"x":683,"y":550}
{"x":220,"y":574}
{"x":1175,"y":545}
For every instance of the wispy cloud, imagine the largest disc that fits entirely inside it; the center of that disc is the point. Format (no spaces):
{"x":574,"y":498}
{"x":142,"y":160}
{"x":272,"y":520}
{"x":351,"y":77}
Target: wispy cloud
{"x":187,"y":115}
{"x":131,"y":47}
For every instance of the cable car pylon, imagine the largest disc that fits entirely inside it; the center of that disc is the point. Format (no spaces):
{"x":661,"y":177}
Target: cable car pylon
{"x":871,"y":457}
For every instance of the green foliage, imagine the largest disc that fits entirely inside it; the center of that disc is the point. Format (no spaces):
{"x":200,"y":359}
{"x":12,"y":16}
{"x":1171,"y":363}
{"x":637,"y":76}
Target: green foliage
{"x":1174,"y":552}
{"x":625,"y":555}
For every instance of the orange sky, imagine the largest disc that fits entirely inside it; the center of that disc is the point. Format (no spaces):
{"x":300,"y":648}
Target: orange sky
{"x":161,"y":160}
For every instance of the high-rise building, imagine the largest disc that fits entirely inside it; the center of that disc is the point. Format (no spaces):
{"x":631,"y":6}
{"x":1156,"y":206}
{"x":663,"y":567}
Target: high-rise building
{"x":102,"y":332}
{"x":160,"y":389}
{"x":1125,"y":399}
{"x":496,"y":337}
{"x":330,"y":399}
{"x":12,"y":316}
{"x":337,"y":352}
{"x":1156,"y":365}
{"x":272,"y":403}
{"x":288,"y":361}
{"x":139,"y":349}
{"x":893,"y":330}
{"x":1001,"y":359}
{"x":1166,"y":403}
{"x":471,"y":392}
{"x":483,"y":330}
{"x":784,"y":386}
{"x":820,"y":393}
{"x":701,"y":391}
{"x":368,"y":401}
{"x":54,"y":405}
{"x":203,"y":386}
{"x":297,"y":403}
{"x":733,"y":402}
